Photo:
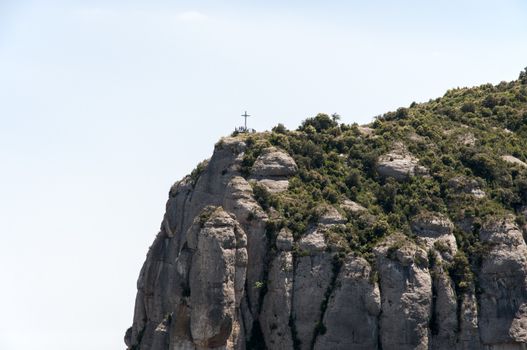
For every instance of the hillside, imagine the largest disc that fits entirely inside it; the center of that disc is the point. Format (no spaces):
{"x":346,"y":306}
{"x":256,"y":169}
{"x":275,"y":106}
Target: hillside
{"x":407,"y":233}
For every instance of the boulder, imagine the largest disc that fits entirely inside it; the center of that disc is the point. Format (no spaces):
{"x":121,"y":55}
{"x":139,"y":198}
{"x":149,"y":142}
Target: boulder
{"x":329,"y":215}
{"x":514,"y":161}
{"x":350,"y":206}
{"x":273,"y":163}
{"x":274,"y":186}
{"x":399,"y":164}
{"x":465,"y":185}
{"x":366,"y":130}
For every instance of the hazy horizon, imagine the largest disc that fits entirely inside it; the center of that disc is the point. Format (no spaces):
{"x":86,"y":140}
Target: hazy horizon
{"x":104,"y":105}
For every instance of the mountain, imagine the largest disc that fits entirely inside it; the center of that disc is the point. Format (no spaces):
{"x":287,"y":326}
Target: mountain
{"x":407,"y":233}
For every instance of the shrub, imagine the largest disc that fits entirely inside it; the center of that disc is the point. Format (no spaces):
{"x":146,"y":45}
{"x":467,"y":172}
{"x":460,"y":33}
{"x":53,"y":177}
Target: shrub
{"x":262,"y":196}
{"x":320,"y":123}
{"x":523,"y":76}
{"x":336,"y":161}
{"x":468,"y":107}
{"x":460,"y":272}
{"x":280,"y":129}
{"x":196,"y":173}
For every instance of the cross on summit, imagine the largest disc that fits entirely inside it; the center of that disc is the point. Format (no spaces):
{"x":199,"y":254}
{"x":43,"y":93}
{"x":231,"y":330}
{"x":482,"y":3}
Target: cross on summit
{"x":245,"y":115}
{"x":244,"y":128}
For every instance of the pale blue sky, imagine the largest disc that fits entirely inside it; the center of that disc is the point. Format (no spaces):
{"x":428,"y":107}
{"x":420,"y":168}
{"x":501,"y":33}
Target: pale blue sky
{"x":104,"y":104}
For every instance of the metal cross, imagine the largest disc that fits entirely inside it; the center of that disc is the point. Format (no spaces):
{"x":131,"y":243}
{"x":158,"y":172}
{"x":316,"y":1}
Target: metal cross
{"x":245,"y":115}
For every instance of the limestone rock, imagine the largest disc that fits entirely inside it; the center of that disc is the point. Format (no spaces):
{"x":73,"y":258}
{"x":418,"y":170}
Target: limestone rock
{"x":465,"y":185}
{"x":239,"y":200}
{"x":444,"y":321}
{"x":284,"y":240}
{"x":503,"y":281}
{"x":468,"y":338}
{"x":436,"y":231}
{"x":329,"y":215}
{"x":274,"y":186}
{"x":399,"y":164}
{"x":514,"y":161}
{"x":406,"y":295}
{"x":217,"y":279}
{"x":366,"y":131}
{"x":313,"y":275}
{"x":351,"y":318}
{"x":277,"y":305}
{"x":351,"y":207}
{"x":518,"y":329}
{"x":467,"y":139}
{"x":273,"y":163}
{"x":272,"y":170}
{"x":313,"y":242}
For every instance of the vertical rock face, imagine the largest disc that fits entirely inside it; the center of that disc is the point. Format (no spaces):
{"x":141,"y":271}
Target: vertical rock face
{"x":435,"y":232}
{"x":351,"y":319}
{"x":406,"y":295}
{"x":312,"y":277}
{"x":163,"y":284}
{"x":502,"y":279}
{"x":217,"y":282}
{"x":239,"y":201}
{"x":216,"y":276}
{"x":277,"y":305}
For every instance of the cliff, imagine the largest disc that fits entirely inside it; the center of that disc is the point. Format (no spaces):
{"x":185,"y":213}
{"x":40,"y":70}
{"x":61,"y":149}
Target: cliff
{"x":408,"y":233}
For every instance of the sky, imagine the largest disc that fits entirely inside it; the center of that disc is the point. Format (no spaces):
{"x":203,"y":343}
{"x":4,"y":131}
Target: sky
{"x":105,"y":104}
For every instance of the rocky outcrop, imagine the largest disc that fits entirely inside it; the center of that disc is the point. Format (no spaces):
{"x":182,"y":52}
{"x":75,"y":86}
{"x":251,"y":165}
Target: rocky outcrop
{"x":274,"y":185}
{"x":277,"y":305}
{"x":351,"y":319}
{"x":163,"y":284}
{"x":503,"y":281}
{"x":366,"y":130}
{"x":313,"y":274}
{"x":351,"y":207}
{"x":463,"y":185}
{"x":514,"y":161}
{"x":273,"y":163}
{"x":223,"y":273}
{"x":406,"y":295}
{"x":272,"y":170}
{"x":435,"y":231}
{"x":217,"y":282}
{"x":399,"y":164}
{"x":239,"y":201}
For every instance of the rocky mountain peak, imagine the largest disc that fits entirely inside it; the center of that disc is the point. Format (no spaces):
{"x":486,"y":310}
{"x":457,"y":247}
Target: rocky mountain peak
{"x":395,"y":235}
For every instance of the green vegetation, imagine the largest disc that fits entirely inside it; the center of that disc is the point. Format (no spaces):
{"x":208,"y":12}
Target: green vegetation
{"x":460,"y":138}
{"x":258,"y":284}
{"x":205,"y":214}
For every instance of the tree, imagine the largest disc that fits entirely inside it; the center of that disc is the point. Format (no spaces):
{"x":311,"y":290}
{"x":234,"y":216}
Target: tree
{"x":321,"y":122}
{"x":280,"y":129}
{"x":523,"y":76}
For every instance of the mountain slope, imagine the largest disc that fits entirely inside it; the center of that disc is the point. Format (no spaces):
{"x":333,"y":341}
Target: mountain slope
{"x":407,"y":233}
